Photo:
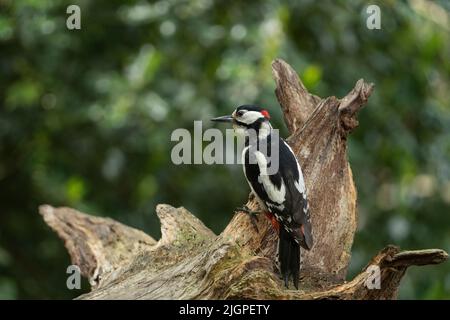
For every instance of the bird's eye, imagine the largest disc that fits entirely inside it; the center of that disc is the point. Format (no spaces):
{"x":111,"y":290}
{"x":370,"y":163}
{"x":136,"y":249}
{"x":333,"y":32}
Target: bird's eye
{"x":240,"y":113}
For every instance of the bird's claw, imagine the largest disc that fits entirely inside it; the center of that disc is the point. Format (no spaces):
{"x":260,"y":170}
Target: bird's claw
{"x":252,"y":214}
{"x":243,"y":209}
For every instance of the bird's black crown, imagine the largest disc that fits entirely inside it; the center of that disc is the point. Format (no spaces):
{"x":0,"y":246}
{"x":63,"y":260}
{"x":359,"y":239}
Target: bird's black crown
{"x":249,"y":107}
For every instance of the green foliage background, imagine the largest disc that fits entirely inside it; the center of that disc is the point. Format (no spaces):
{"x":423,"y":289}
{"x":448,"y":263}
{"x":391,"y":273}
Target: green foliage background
{"x":86,"y":117}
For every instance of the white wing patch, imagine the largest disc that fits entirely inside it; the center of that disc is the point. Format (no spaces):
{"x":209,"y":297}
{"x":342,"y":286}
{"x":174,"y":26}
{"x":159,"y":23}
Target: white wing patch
{"x":275,"y":194}
{"x":300,"y":183}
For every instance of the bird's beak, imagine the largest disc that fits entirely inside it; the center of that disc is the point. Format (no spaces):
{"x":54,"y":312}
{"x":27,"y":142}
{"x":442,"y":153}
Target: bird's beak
{"x":223,"y":119}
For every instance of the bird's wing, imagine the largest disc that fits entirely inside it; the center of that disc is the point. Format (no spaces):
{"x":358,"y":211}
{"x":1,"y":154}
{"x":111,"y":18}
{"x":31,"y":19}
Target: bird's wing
{"x":283,"y":192}
{"x":296,"y":197}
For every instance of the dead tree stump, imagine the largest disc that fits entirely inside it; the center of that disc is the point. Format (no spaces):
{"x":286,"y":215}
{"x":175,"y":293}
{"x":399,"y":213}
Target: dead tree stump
{"x":191,"y":262}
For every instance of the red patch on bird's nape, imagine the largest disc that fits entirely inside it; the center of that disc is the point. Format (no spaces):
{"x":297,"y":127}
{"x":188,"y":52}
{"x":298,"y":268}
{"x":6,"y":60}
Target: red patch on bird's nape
{"x":266,"y":114}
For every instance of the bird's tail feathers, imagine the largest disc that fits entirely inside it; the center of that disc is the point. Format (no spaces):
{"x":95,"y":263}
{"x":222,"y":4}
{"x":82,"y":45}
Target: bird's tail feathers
{"x":289,"y":257}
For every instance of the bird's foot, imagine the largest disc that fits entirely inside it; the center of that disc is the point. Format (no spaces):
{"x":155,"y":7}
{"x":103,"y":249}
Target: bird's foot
{"x":252,"y":214}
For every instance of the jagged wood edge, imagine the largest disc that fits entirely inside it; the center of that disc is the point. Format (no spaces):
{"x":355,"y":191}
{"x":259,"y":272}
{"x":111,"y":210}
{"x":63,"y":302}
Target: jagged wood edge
{"x":255,"y":270}
{"x":245,"y":277}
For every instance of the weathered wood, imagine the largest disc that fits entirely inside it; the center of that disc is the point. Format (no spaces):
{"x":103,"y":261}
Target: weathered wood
{"x":191,"y":262}
{"x":98,"y":246}
{"x":296,"y":102}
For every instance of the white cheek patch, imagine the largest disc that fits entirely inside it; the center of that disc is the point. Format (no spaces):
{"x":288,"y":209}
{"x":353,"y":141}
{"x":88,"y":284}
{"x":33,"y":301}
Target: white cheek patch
{"x":250,"y":117}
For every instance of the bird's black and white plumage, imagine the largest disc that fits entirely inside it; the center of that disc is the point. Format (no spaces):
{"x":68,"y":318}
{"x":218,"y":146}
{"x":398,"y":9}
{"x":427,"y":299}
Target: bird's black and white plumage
{"x":280,"y":192}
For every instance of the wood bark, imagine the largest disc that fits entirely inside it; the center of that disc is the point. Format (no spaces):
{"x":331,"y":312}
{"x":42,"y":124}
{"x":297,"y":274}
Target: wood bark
{"x":191,"y":262}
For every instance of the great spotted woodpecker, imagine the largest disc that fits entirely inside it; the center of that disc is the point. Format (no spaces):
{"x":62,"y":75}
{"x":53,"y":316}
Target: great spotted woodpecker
{"x":280,"y":193}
